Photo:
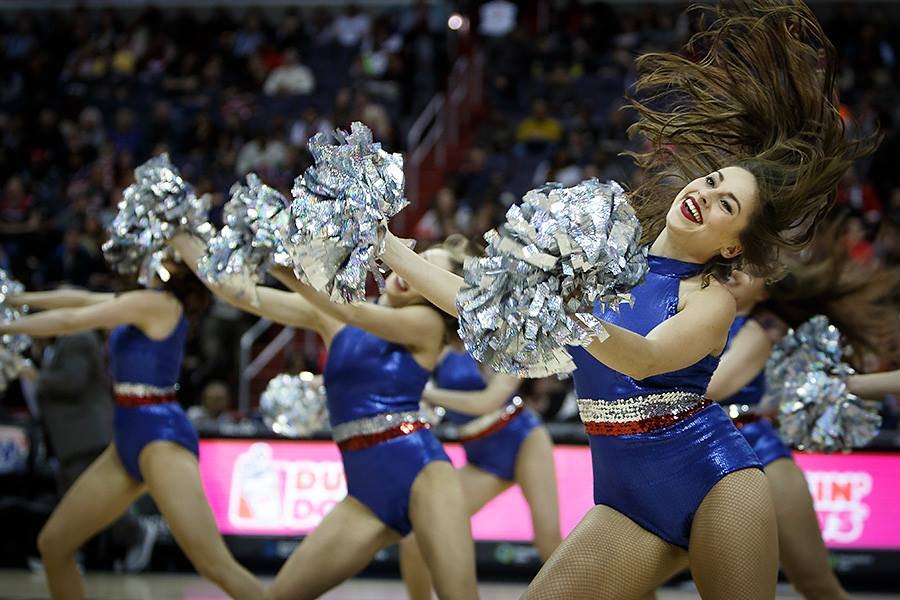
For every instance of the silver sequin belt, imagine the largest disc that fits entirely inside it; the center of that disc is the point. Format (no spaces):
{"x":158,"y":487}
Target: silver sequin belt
{"x":366,"y":432}
{"x":490,"y":422}
{"x":140,"y":394}
{"x":638,"y":414}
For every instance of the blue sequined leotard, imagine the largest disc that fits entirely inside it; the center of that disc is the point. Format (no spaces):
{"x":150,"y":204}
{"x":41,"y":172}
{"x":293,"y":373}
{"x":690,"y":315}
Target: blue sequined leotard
{"x":657,"y":446}
{"x":491,"y":441}
{"x":758,"y":430}
{"x":374,"y":388}
{"x":145,"y":374}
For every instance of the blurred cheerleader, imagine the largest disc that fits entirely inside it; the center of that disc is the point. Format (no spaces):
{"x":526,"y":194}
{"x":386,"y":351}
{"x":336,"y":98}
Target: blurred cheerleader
{"x":399,"y":478}
{"x":154,"y":448}
{"x":746,"y":152}
{"x":505,"y":445}
{"x":857,"y":302}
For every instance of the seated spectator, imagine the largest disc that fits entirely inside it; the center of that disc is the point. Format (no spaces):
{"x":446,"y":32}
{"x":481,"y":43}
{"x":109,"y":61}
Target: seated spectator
{"x":373,"y":115}
{"x":539,"y":129}
{"x":497,"y":18}
{"x":260,"y":154}
{"x":442,"y":219}
{"x":215,"y":404}
{"x":291,"y":78}
{"x":309,"y":125}
{"x":350,"y":27}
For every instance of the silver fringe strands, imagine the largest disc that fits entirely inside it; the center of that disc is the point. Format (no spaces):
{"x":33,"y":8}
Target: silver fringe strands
{"x":560,"y":252}
{"x":155,"y":207}
{"x":340,"y":204}
{"x":12,"y":346}
{"x":257,"y":220}
{"x":294,"y":405}
{"x":807,"y":379}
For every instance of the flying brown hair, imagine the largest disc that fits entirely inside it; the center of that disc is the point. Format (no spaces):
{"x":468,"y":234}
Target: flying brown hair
{"x":755,"y":89}
{"x":861,"y":302}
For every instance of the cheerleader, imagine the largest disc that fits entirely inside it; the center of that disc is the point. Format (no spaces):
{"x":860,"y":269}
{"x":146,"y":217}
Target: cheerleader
{"x":853,"y":300}
{"x":154,"y":448}
{"x":732,"y":177}
{"x":505,"y":445}
{"x":399,"y":479}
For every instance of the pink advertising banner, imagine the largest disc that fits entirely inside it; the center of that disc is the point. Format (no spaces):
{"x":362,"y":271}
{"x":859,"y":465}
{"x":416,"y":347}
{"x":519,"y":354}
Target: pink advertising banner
{"x":285,"y":488}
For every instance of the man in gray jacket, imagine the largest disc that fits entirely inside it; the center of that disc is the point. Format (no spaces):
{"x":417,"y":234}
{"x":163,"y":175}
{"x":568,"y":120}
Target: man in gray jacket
{"x":75,"y":400}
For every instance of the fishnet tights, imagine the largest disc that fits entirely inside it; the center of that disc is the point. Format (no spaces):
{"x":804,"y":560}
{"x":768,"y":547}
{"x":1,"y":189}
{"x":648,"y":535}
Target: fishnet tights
{"x":733,"y":551}
{"x":607,"y":556}
{"x":734,"y":539}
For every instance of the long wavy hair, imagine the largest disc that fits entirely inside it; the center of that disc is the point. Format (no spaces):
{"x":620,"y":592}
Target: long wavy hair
{"x":755,"y":89}
{"x":863,"y":303}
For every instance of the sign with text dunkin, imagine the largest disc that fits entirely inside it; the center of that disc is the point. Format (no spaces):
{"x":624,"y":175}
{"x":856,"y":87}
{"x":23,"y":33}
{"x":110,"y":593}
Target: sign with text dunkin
{"x":285,"y":488}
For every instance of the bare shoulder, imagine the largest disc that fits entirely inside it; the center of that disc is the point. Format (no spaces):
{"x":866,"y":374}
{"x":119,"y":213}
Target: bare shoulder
{"x":712,"y":293}
{"x":156,"y":313}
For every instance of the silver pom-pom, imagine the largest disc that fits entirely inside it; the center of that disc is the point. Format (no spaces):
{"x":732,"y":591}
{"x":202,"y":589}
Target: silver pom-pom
{"x":806,"y":378}
{"x":560,"y":252}
{"x":294,"y":405}
{"x":257,"y":219}
{"x":340,"y":204}
{"x":12,"y":346}
{"x":155,"y":207}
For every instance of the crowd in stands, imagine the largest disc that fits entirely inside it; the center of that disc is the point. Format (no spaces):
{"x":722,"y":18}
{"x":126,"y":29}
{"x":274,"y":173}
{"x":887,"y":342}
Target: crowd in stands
{"x":86,"y":95}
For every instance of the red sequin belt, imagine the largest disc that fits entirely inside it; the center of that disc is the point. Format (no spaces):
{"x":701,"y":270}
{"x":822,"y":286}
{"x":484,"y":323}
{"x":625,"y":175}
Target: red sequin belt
{"x":131,"y":395}
{"x":490,"y":423}
{"x":369,"y":431}
{"x":639,"y":414}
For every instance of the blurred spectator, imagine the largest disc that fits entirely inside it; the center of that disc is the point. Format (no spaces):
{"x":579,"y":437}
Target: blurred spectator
{"x":310,"y":124}
{"x":859,"y":196}
{"x":291,"y":78}
{"x":539,"y":129}
{"x":264,"y":152}
{"x":442,"y":219}
{"x":497,"y":18}
{"x":215,"y":404}
{"x":350,"y":27}
{"x":374,"y":115}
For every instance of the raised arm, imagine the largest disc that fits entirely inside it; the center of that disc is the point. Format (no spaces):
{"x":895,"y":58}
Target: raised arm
{"x":276,"y":305}
{"x":498,"y":391}
{"x":743,"y":361}
{"x":62,"y":298}
{"x":154,"y":313}
{"x":698,"y":330}
{"x":416,"y":326}
{"x":875,"y":385}
{"x":439,"y":286}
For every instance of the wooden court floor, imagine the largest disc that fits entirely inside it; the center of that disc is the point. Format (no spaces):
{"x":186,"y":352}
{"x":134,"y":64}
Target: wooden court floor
{"x":24,"y":585}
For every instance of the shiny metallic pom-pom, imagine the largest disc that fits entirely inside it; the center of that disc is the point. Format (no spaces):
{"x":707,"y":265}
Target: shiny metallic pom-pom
{"x":294,"y":405}
{"x":806,"y":378}
{"x":340,"y":205}
{"x":12,"y":346}
{"x":154,"y":208}
{"x":561,"y":251}
{"x":252,"y":239}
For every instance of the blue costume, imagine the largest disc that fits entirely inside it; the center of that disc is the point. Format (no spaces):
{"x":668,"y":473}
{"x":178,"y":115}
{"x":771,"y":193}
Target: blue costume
{"x":491,"y":441}
{"x":374,"y":388}
{"x":758,"y":430}
{"x":657,"y":445}
{"x":145,"y":373}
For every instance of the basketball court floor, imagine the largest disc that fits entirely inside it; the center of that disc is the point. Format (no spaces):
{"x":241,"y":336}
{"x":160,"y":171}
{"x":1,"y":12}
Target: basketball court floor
{"x":24,"y":585}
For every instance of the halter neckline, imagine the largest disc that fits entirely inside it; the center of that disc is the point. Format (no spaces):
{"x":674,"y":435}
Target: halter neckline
{"x":672,"y":267}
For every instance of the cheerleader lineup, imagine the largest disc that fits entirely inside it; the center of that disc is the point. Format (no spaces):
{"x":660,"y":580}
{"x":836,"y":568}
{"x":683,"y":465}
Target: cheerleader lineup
{"x":740,"y":172}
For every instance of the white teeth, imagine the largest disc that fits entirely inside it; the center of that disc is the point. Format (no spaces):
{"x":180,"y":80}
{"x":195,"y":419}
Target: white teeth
{"x":692,"y":206}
